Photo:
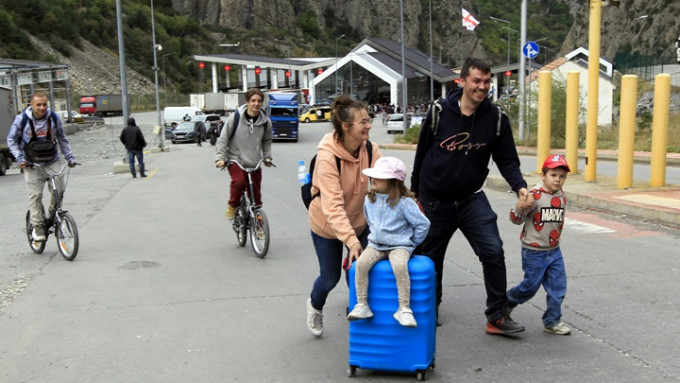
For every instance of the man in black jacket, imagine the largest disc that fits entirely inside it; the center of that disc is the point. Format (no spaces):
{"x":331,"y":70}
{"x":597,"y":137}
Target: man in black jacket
{"x":450,"y":167}
{"x":134,"y":142}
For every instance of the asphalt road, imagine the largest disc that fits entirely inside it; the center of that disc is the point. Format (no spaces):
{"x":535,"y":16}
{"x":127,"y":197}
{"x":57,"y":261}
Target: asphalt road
{"x":161,"y":291}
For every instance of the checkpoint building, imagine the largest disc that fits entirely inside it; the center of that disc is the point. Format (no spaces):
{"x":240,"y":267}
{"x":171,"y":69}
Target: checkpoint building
{"x":370,"y":72}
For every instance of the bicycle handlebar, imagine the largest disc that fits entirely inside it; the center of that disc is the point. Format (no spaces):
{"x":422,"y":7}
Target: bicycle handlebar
{"x":42,"y":168}
{"x":247,"y":170}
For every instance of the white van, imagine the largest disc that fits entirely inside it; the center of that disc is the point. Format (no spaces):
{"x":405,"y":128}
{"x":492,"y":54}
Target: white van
{"x":173,"y":115}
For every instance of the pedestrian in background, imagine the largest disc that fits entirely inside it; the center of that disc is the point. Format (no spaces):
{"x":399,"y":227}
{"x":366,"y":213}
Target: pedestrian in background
{"x":134,"y":142}
{"x":542,"y":260}
{"x":199,"y":132}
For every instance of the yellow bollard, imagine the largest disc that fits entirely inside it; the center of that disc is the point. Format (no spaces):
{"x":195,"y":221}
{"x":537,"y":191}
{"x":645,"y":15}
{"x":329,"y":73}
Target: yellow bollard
{"x":627,"y":126}
{"x":594,"y":40}
{"x":662,"y":101}
{"x":544,"y":108}
{"x":571,"y":123}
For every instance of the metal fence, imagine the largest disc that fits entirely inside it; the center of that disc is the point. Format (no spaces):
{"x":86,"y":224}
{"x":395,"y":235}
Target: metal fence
{"x":645,"y":67}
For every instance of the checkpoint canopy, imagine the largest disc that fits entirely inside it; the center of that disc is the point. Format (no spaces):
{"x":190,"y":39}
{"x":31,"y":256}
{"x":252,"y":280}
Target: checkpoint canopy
{"x":370,"y":72}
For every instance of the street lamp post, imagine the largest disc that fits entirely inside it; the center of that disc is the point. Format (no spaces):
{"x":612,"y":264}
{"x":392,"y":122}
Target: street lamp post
{"x":507,"y":22}
{"x":156,"y":48}
{"x":165,"y":79}
{"x":335,"y":85}
{"x":643,"y":17}
{"x":404,"y":86}
{"x":431,"y":64}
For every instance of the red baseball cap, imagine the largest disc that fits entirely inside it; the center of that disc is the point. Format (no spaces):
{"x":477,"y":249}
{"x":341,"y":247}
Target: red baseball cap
{"x":556,"y":161}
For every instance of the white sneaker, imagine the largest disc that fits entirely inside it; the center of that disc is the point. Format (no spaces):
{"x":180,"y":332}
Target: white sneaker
{"x":38,"y":234}
{"x":360,"y":311}
{"x":559,"y":329}
{"x":314,"y":319}
{"x":405,"y":317}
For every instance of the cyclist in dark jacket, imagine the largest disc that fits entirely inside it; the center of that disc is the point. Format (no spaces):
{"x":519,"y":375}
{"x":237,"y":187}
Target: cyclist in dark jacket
{"x":134,"y":142}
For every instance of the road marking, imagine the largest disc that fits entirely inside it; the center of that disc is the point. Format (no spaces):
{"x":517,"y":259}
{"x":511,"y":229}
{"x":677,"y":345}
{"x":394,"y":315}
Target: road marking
{"x":592,"y":224}
{"x":584,"y":227}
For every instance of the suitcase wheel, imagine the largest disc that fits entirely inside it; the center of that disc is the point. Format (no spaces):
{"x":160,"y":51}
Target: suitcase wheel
{"x":352,"y":371}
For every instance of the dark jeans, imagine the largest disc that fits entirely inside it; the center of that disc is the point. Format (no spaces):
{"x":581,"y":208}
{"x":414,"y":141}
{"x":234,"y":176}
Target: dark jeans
{"x":475,"y":218}
{"x":140,"y":158}
{"x":329,"y":252}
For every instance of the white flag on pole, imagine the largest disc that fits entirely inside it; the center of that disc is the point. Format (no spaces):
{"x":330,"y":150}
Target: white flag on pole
{"x":469,"y":21}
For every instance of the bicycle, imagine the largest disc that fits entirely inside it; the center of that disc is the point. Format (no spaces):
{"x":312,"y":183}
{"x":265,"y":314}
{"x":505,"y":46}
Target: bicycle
{"x":251,"y":217}
{"x":58,"y":222}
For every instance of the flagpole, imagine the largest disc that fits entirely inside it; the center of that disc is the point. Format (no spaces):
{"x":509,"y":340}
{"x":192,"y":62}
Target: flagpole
{"x":460,"y":37}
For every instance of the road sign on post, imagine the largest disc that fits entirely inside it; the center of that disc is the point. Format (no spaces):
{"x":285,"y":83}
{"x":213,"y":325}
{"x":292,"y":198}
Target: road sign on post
{"x":530,"y":50}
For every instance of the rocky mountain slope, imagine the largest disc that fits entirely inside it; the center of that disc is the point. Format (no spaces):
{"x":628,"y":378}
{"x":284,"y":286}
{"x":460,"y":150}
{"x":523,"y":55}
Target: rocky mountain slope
{"x":257,"y":23}
{"x":652,"y":35}
{"x":93,"y":70}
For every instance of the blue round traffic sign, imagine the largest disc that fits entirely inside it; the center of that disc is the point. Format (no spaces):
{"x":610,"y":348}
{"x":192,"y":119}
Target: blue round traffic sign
{"x":530,"y":50}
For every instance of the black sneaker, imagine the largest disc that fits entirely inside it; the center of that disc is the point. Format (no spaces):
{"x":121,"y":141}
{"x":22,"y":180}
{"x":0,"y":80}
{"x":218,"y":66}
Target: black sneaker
{"x":503,"y":326}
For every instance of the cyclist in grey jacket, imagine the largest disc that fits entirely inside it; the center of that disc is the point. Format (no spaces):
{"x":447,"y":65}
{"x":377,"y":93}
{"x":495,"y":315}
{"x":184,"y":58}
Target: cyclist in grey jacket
{"x":47,"y":126}
{"x":247,"y":143}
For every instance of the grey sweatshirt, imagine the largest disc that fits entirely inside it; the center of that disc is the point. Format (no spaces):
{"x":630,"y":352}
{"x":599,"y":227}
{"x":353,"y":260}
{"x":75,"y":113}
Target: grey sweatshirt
{"x":249,"y":144}
{"x":543,"y":221}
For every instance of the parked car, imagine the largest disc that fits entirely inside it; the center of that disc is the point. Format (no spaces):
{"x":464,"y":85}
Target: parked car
{"x":75,"y":116}
{"x":184,"y":132}
{"x":313,"y":114}
{"x":395,"y":123}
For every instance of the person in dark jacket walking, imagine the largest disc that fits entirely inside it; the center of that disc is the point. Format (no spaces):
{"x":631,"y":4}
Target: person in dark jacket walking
{"x":449,"y":170}
{"x":134,"y":142}
{"x":199,"y":132}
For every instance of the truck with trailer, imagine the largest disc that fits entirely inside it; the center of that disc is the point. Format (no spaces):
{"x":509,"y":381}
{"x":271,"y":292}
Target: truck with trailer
{"x":217,"y":103}
{"x":282,"y":108}
{"x":101,"y":105}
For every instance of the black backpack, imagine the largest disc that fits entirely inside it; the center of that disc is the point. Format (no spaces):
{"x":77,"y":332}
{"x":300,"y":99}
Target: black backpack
{"x":40,"y":151}
{"x":306,"y":189}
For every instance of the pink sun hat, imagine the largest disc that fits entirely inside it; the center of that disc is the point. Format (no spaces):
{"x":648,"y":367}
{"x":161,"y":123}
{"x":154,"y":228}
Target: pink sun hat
{"x":386,"y":168}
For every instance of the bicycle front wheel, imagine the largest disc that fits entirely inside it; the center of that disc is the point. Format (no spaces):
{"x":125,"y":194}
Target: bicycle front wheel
{"x":259,"y":233}
{"x":240,"y":223}
{"x":36,"y":246}
{"x":67,"y":237}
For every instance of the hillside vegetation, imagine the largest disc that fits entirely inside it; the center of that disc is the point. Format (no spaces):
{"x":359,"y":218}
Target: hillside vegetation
{"x":63,"y":24}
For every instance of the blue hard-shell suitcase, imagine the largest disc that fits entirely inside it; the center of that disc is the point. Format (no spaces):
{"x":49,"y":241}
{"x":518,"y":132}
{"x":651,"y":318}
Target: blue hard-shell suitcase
{"x":380,"y":342}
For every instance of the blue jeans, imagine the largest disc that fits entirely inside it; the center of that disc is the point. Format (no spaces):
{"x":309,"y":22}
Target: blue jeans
{"x":475,"y":218}
{"x":329,"y":252}
{"x":131,"y":160}
{"x":542,"y":267}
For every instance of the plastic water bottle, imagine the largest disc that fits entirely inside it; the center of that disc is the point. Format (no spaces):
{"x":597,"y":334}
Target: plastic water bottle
{"x":303,"y":176}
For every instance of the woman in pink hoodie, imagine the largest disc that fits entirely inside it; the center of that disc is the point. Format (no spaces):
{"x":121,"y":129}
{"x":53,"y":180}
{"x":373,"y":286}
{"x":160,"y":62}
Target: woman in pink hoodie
{"x":337,"y":218}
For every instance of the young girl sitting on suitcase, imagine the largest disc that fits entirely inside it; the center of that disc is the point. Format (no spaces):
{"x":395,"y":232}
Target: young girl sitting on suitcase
{"x":397,"y":226}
